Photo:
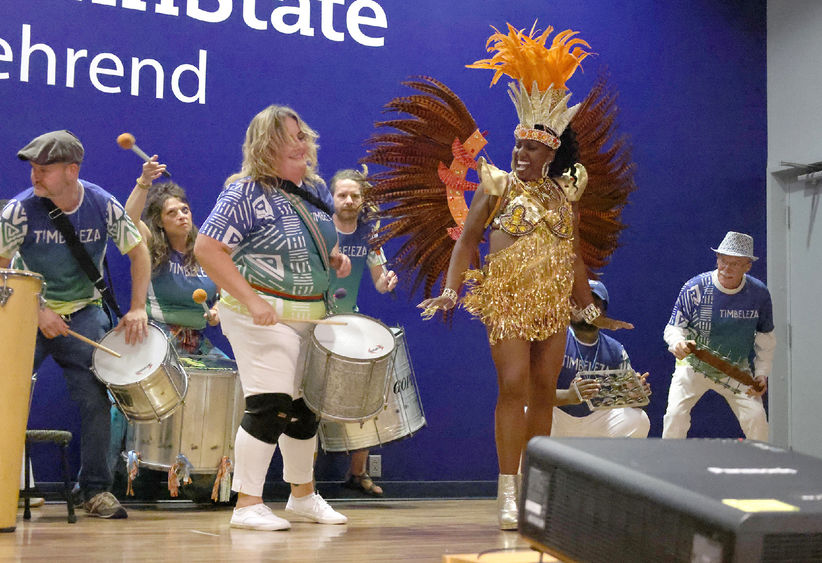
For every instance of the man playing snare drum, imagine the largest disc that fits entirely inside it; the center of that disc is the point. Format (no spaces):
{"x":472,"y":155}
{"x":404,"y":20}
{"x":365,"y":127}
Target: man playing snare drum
{"x":71,"y":299}
{"x":587,"y":349}
{"x":728,"y":312}
{"x":353,"y":232}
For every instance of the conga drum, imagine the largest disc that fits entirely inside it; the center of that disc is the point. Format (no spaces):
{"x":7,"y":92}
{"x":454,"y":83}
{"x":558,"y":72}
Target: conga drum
{"x":19,"y":305}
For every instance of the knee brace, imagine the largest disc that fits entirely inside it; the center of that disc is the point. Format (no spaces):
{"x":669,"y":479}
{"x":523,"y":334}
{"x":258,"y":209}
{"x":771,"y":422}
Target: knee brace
{"x":266,"y":416}
{"x":303,"y":423}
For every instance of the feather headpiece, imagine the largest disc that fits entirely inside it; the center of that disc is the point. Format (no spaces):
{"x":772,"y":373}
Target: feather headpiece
{"x":540,"y":94}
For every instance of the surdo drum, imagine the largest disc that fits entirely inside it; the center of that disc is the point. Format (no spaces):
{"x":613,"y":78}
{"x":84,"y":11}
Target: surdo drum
{"x":348,"y":368}
{"x":203,"y":428}
{"x":147,"y":382}
{"x":401,"y":417}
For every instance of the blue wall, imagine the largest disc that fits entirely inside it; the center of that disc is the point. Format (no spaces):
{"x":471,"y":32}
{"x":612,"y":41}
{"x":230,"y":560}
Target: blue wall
{"x":691,"y":77}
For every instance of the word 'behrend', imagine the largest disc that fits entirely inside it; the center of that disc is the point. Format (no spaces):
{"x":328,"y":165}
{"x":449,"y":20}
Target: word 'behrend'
{"x":106,"y":71}
{"x":358,"y":14}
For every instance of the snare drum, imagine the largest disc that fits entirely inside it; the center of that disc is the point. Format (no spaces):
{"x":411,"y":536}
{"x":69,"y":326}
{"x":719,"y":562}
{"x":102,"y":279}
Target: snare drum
{"x":348,"y":368}
{"x":401,"y":418}
{"x":203,"y":429}
{"x":147,"y":382}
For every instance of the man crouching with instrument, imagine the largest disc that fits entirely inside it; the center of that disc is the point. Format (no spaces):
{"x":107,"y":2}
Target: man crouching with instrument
{"x":598,"y":394}
{"x":721,"y":319}
{"x":53,"y":225}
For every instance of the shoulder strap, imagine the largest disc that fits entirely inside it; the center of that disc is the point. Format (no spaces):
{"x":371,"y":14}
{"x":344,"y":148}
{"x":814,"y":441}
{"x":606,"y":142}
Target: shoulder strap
{"x":311,"y":225}
{"x":80,"y":254}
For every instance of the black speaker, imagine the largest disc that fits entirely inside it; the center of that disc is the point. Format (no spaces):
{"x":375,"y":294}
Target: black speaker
{"x":592,"y":499}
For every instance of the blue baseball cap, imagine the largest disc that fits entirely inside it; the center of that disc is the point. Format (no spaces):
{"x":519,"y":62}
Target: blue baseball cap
{"x":598,"y":289}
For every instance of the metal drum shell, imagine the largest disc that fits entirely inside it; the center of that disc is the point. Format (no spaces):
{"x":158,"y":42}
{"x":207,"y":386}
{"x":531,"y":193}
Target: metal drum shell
{"x":343,"y":388}
{"x":202,"y":429}
{"x":401,"y":418}
{"x":156,"y":394}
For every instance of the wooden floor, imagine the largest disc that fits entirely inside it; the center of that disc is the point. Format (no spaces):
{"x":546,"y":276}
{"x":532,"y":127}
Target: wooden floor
{"x":384,"y":530}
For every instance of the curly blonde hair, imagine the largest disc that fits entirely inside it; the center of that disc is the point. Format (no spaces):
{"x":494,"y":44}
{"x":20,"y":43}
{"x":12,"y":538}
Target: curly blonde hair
{"x":265,"y":138}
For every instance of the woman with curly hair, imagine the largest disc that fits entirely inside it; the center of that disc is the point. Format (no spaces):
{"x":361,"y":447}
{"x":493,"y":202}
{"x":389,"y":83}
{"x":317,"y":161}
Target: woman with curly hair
{"x":270,"y":244}
{"x":169,"y":231}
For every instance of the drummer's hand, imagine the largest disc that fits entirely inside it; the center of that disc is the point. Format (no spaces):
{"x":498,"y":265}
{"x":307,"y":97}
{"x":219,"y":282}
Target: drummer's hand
{"x":151,"y":171}
{"x":341,"y":264}
{"x":647,"y":386}
{"x":588,"y":388}
{"x":763,"y":381}
{"x":682,"y":349}
{"x":212,"y":317}
{"x":51,"y":324}
{"x":432,"y":305}
{"x":387,"y":281}
{"x":610,"y":324}
{"x":262,"y":312}
{"x":135,"y":323}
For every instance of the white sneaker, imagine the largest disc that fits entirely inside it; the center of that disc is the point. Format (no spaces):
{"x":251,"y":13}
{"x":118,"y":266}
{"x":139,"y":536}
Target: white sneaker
{"x":258,"y":517}
{"x":314,"y":507}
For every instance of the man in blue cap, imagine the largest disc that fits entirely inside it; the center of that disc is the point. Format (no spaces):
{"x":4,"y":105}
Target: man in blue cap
{"x":587,"y":349}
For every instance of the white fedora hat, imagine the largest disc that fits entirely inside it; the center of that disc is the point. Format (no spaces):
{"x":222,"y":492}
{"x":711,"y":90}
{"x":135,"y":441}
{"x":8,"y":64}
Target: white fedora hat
{"x":736,"y":244}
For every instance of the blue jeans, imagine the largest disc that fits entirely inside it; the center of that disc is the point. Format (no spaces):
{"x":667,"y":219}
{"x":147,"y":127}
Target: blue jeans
{"x":74,"y":357}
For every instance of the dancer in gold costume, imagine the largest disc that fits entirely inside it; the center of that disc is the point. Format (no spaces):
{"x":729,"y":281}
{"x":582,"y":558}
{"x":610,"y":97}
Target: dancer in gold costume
{"x":535,"y":277}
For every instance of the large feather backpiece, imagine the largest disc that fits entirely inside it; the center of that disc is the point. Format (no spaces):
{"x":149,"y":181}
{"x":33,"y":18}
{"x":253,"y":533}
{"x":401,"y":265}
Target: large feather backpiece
{"x":607,"y":158}
{"x":418,"y":154}
{"x":419,"y":195}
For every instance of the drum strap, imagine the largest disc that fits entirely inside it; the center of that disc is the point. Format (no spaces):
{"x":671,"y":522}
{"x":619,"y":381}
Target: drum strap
{"x":288,"y":296}
{"x":308,"y":220}
{"x":81,"y":255}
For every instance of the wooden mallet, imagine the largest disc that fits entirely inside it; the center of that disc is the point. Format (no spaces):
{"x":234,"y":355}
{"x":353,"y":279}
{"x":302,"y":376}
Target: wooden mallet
{"x":127,"y":141}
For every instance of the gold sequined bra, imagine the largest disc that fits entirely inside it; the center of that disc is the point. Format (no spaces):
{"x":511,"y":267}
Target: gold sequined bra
{"x":528,"y":203}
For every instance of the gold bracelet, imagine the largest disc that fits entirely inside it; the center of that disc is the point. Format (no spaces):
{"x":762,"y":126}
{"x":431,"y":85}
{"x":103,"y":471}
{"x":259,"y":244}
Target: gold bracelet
{"x":142,"y":185}
{"x":450,"y":294}
{"x":590,"y":313}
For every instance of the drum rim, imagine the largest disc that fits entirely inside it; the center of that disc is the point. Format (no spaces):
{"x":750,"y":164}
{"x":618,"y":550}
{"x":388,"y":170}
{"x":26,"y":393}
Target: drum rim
{"x":316,"y":341}
{"x":113,"y":388}
{"x":20,"y":273}
{"x":98,"y":351}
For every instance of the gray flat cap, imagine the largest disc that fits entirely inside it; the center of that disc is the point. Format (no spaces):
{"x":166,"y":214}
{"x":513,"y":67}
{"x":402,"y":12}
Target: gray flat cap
{"x":51,"y":147}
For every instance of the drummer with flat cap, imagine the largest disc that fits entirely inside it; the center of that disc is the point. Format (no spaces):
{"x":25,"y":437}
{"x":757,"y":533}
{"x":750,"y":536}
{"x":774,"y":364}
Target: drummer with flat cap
{"x":71,"y":299}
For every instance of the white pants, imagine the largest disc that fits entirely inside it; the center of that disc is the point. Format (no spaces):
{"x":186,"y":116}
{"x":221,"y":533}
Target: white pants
{"x":269,"y":360}
{"x":688,"y":386}
{"x":605,"y":423}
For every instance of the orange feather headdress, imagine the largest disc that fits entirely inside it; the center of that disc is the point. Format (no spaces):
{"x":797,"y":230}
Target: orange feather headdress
{"x":540,"y":94}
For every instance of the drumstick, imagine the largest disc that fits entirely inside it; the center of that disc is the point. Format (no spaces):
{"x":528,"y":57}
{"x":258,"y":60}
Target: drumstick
{"x":93,"y":343}
{"x":314,"y":321}
{"x":379,"y":253}
{"x":200,"y":296}
{"x":127,"y":141}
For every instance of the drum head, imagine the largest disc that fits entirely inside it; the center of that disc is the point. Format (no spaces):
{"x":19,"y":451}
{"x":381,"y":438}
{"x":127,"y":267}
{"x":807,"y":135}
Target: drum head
{"x":361,"y":338}
{"x":138,"y":360}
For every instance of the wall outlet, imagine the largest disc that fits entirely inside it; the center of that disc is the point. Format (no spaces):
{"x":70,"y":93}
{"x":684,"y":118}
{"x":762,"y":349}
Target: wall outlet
{"x":375,"y":465}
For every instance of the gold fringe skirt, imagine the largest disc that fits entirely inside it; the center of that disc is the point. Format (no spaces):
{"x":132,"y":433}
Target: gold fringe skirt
{"x":524,"y":290}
